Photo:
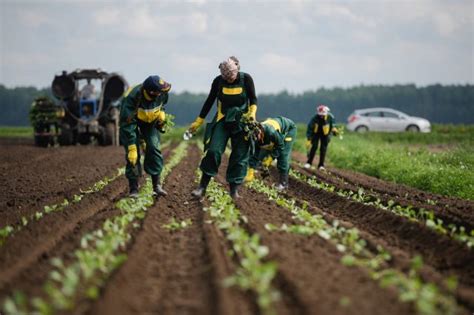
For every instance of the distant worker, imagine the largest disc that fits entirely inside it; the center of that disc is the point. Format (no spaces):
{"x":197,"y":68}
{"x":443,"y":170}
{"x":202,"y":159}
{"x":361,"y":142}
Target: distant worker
{"x":319,"y":129}
{"x":141,"y":115}
{"x":236,"y":100}
{"x":88,"y":91}
{"x":274,"y":140}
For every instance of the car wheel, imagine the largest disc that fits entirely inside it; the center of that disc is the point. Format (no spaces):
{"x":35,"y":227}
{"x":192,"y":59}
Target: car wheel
{"x":413,"y":128}
{"x":362,"y":129}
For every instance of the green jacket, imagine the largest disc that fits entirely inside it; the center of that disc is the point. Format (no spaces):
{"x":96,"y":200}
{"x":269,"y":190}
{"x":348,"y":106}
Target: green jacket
{"x":321,"y":125}
{"x":135,"y":108}
{"x":275,"y":133}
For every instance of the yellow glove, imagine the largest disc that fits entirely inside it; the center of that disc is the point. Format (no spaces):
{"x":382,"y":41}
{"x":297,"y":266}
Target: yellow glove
{"x":196,"y":124}
{"x":132,"y":154}
{"x":250,"y":175}
{"x":335,"y":131}
{"x":161,"y":117}
{"x":252,"y":113}
{"x":267,"y":161}
{"x":308,"y":144}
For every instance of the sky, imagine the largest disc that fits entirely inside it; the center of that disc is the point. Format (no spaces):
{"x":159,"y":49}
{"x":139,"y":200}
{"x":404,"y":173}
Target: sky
{"x":291,"y":45}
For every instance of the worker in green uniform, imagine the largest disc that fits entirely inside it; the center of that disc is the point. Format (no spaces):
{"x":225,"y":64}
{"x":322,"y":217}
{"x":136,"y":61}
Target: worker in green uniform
{"x":236,"y":101}
{"x":274,"y":140}
{"x":141,"y":116}
{"x":319,"y":129}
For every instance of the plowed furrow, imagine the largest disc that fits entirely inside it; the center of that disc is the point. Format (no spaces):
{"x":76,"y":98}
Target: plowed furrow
{"x":170,"y":272}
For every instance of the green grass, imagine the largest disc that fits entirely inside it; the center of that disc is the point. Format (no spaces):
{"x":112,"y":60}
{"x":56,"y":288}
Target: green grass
{"x":441,"y":162}
{"x":16,"y":132}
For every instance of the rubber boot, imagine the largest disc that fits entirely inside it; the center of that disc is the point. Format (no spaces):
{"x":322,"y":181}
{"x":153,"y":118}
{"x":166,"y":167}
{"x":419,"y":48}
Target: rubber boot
{"x":133,"y":188}
{"x":283,"y":182}
{"x":234,"y":191}
{"x":201,"y":190}
{"x":157,"y":190}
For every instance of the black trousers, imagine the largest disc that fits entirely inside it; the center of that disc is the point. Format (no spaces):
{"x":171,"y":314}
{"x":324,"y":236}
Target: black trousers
{"x":322,"y":150}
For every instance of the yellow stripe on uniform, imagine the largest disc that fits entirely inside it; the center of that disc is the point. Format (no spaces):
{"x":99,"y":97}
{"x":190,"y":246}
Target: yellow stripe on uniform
{"x":149,"y":115}
{"x":272,"y":123}
{"x":232,"y":91}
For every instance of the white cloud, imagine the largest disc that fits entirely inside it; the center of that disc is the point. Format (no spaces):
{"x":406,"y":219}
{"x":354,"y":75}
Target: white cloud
{"x":445,"y":23}
{"x":282,"y":64}
{"x":108,"y":16}
{"x":35,"y":18}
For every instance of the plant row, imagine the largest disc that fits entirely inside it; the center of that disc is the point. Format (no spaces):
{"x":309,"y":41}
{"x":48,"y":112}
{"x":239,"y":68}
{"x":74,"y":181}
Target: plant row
{"x":254,"y":272}
{"x":428,"y":298}
{"x":8,"y":230}
{"x":427,"y":217}
{"x":99,"y":254}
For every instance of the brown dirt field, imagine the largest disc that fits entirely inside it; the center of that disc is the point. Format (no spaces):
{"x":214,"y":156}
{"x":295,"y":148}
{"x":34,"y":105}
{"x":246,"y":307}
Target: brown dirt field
{"x":310,"y":272}
{"x":449,"y":209}
{"x":182,"y":272}
{"x":24,"y":258}
{"x":176,"y":272}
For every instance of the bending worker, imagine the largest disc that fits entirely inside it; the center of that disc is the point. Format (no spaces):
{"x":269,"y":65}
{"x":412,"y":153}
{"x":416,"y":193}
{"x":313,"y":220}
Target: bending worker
{"x":275,"y":138}
{"x":141,"y":115}
{"x":319,"y":128}
{"x":235,"y":94}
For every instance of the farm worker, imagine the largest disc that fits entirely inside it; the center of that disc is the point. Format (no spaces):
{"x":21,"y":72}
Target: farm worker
{"x":88,"y":91}
{"x":319,"y":128}
{"x":141,"y":115}
{"x":275,"y":138}
{"x":236,"y":101}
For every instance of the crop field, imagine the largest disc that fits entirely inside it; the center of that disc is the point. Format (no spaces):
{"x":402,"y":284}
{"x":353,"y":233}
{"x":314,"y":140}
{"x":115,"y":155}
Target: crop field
{"x":336,"y":242}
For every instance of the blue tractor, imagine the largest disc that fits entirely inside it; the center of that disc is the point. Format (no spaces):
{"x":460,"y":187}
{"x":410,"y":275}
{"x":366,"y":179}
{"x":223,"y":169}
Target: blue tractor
{"x":90,"y":116}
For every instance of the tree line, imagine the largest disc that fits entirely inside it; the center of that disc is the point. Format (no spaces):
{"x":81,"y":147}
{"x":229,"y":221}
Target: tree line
{"x":438,"y":103}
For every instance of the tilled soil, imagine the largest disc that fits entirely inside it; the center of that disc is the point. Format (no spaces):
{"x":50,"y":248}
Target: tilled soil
{"x":176,"y":272}
{"x":24,"y":258}
{"x":182,"y":271}
{"x":310,"y":274}
{"x":404,"y":238}
{"x":33,"y":177}
{"x":449,"y":209}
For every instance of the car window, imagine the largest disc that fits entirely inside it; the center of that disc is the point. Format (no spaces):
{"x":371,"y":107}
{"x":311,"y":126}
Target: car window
{"x":372,"y":114}
{"x":390,"y":115}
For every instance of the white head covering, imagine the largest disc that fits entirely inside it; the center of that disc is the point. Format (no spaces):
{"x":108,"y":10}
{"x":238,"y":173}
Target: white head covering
{"x":323,"y":110}
{"x":229,"y":68}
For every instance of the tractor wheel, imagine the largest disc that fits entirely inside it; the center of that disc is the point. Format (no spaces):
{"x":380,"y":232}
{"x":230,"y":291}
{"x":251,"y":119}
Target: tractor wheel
{"x":107,"y":134}
{"x":42,"y":141}
{"x":84,"y":138}
{"x":66,"y":136}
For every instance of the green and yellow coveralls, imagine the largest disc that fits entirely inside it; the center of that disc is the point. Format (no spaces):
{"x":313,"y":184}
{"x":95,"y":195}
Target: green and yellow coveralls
{"x":233,"y":100}
{"x":319,"y":130}
{"x":278,"y":139}
{"x":138,"y":117}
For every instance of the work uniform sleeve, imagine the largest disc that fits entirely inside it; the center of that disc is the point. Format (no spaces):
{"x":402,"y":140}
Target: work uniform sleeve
{"x":310,"y":129}
{"x":279,"y":145}
{"x":210,"y":98}
{"x":250,"y":89}
{"x":282,"y":161}
{"x":128,"y":121}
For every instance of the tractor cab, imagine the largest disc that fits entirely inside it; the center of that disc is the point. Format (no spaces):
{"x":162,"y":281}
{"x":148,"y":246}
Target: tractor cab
{"x":90,"y":98}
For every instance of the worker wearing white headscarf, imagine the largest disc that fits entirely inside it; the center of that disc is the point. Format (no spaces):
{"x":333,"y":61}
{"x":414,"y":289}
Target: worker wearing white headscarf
{"x":236,"y":100}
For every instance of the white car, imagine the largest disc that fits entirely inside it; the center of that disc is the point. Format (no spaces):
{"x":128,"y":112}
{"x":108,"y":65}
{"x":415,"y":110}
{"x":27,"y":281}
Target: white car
{"x":385,"y":119}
